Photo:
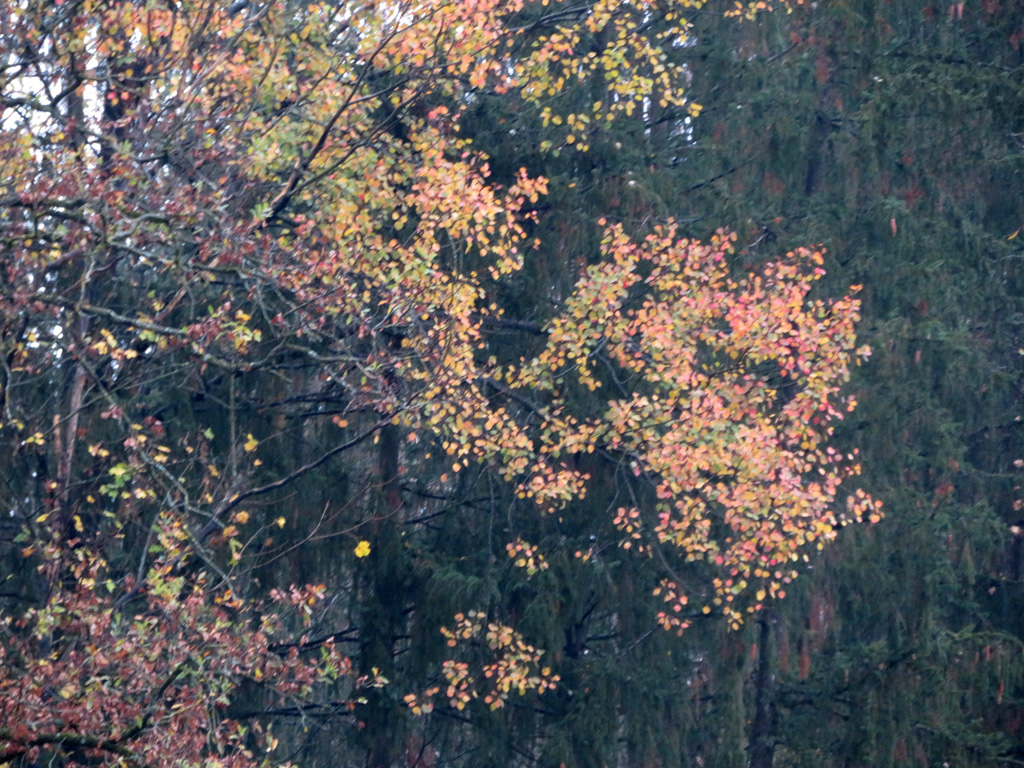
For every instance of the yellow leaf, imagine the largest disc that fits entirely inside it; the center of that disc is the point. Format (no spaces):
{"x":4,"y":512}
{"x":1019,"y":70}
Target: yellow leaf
{"x":363,"y":548}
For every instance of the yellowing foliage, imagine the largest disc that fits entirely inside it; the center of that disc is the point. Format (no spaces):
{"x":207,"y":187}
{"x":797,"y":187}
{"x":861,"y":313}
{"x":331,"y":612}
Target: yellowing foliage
{"x":186,"y":187}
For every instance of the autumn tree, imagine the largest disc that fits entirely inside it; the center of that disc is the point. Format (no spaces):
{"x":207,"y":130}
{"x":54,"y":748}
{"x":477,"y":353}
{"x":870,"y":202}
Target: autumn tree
{"x":888,"y":132}
{"x":258,"y":300}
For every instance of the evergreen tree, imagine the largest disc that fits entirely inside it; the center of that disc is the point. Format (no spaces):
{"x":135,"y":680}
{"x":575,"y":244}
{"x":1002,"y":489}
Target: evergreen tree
{"x":890,"y":133}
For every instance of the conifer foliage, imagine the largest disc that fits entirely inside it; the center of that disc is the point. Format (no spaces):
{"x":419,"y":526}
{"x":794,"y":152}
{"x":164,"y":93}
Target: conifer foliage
{"x":891,"y":133}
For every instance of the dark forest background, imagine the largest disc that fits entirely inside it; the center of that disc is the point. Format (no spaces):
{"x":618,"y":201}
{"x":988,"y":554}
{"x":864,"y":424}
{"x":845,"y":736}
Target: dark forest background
{"x":893,"y":134}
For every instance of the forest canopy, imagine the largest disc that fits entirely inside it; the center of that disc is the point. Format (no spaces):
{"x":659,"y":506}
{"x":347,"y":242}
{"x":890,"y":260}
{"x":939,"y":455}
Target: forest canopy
{"x":311,"y":417}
